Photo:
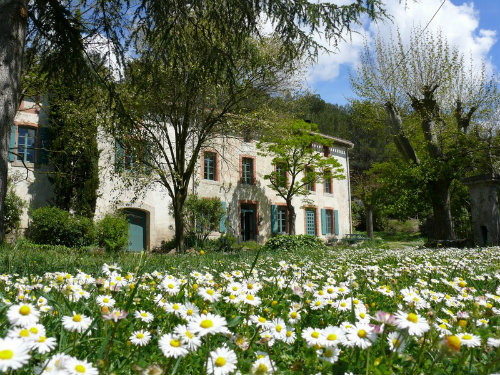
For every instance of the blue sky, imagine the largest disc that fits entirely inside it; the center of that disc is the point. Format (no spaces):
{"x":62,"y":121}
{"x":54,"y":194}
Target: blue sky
{"x":473,"y":26}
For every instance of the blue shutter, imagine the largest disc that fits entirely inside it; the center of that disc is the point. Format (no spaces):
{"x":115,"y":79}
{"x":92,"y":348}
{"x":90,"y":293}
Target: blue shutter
{"x":274,"y":219}
{"x":323,"y":221}
{"x":336,"y":214}
{"x":12,"y":145}
{"x":118,"y":156}
{"x":43,"y":145}
{"x":222,"y":224}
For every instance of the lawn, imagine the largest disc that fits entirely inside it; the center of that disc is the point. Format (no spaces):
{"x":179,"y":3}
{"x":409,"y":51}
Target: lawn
{"x":328,"y":311}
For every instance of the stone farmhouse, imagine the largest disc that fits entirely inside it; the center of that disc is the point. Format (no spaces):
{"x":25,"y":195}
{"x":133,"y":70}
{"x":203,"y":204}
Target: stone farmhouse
{"x":230,"y":169}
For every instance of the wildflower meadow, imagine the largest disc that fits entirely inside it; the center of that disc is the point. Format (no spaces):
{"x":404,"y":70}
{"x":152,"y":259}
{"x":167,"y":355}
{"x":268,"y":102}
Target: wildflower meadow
{"x":335,"y":311}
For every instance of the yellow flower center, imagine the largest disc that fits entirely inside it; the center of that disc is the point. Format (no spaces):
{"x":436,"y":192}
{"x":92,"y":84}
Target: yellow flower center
{"x":42,"y":339}
{"x":6,"y":354}
{"x":332,"y":337}
{"x":443,"y":326}
{"x":219,"y":362}
{"x":189,"y":334}
{"x":235,"y":288}
{"x":206,"y":324}
{"x":466,"y":337}
{"x":105,"y":300}
{"x":278,"y":328}
{"x":453,"y":342}
{"x":412,"y":318}
{"x":140,"y":335}
{"x":232,"y":297}
{"x":318,"y":303}
{"x":250,"y":286}
{"x":210,"y":291}
{"x":24,"y":333}
{"x":189,"y":312}
{"x":175,"y":343}
{"x":396,"y":343}
{"x":293,"y":314}
{"x":362,"y":315}
{"x":262,"y":319}
{"x":462,"y":323}
{"x":315,"y":334}
{"x":144,"y":315}
{"x":288,"y":333}
{"x":77,"y":318}
{"x":343,"y":304}
{"x":262,"y":369}
{"x":24,"y":310}
{"x":330,"y":290}
{"x":170,"y":286}
{"x":250,"y":297}
{"x":34,"y":330}
{"x":328,"y":353}
{"x":341,"y":289}
{"x":362,"y":333}
{"x":80,"y":369}
{"x":175,"y":306}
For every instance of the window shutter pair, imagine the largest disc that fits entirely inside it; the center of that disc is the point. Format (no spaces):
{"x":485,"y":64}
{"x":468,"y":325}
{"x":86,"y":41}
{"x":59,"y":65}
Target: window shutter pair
{"x":222,"y":223}
{"x":335,"y":221}
{"x":274,"y":219}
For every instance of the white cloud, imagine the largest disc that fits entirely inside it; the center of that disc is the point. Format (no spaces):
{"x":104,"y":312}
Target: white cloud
{"x":458,"y":23}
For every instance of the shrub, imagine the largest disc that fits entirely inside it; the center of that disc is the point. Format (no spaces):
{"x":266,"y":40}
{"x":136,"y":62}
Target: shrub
{"x":53,"y":226}
{"x":290,"y":243}
{"x":112,"y":232}
{"x":13,"y":209}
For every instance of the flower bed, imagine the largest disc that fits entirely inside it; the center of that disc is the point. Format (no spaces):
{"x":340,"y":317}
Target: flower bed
{"x":407,"y":311}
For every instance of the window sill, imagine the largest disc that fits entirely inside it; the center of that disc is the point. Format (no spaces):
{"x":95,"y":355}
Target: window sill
{"x":210,"y":182}
{"x":18,"y":163}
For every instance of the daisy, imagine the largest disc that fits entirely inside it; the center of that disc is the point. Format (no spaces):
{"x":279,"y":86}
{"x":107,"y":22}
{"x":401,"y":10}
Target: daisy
{"x":278,"y":329}
{"x":23,"y":314}
{"x":14,"y":353}
{"x":222,"y":361}
{"x":250,"y":299}
{"x":76,"y":323}
{"x":209,"y":294}
{"x":191,"y":341}
{"x":260,"y":321}
{"x":330,"y":355}
{"x":56,"y":365}
{"x":140,"y":338}
{"x":293,"y":316}
{"x":313,"y":336}
{"x":262,"y":366}
{"x":493,"y":342}
{"x":415,"y":324}
{"x":171,"y":346}
{"x":470,"y":340}
{"x":144,"y":316}
{"x":396,"y":342}
{"x":333,"y":336}
{"x":207,"y":324}
{"x":170,"y":285}
{"x":105,"y":300}
{"x":78,"y":367}
{"x":361,"y":335}
{"x":290,"y":336}
{"x":44,"y":344}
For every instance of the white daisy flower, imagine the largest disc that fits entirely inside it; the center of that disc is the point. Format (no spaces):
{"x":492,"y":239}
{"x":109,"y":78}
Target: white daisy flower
{"x":105,"y":300}
{"x":208,"y":324}
{"x":222,"y":361}
{"x":144,"y":316}
{"x":469,"y":340}
{"x":171,"y":346}
{"x":78,"y":367}
{"x":415,"y":324}
{"x":14,"y":353}
{"x":23,"y":314}
{"x":313,"y":336}
{"x":329,"y":354}
{"x":250,"y":299}
{"x":209,"y":294}
{"x":290,"y":336}
{"x":493,"y":342}
{"x":189,"y":339}
{"x":262,"y":366}
{"x":140,"y":338}
{"x":44,"y":344}
{"x":396,"y":342}
{"x":76,"y":323}
{"x":334,"y":336}
{"x":361,"y":335}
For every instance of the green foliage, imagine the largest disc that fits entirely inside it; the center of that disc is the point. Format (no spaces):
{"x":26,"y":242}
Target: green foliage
{"x":292,"y":243}
{"x":112,"y":233}
{"x":13,"y":209}
{"x":202,"y":216}
{"x":53,"y":226}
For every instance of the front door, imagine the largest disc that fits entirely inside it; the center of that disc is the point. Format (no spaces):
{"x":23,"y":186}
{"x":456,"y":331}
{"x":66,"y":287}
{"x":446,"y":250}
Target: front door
{"x":248,"y":221}
{"x":310,"y":222}
{"x":136,"y":229}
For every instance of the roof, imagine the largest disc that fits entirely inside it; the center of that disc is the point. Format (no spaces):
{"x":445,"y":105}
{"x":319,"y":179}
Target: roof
{"x":344,"y":142}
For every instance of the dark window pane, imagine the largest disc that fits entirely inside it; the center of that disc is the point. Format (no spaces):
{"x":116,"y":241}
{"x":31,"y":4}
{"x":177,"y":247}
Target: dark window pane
{"x":26,"y":138}
{"x":329,"y":221}
{"x":282,"y":220}
{"x":209,"y":166}
{"x":247,"y":172}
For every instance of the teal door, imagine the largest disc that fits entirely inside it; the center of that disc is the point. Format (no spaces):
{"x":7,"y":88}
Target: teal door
{"x":310,"y":222}
{"x":248,"y":222}
{"x":136,"y":229}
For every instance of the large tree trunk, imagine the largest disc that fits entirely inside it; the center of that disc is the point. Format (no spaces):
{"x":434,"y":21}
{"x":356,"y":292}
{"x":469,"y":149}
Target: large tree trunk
{"x":442,"y":224}
{"x":369,"y":221}
{"x":178,"y":206}
{"x":13,"y":22}
{"x":291,"y":218}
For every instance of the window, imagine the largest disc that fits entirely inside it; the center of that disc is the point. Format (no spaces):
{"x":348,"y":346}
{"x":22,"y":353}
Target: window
{"x":131,"y":156}
{"x":26,"y":141}
{"x":281,"y":175}
{"x":309,"y":179}
{"x":327,"y":177}
{"x":310,"y":221}
{"x":247,"y":171}
{"x":209,"y":165}
{"x":282,"y":216}
{"x":328,"y":222}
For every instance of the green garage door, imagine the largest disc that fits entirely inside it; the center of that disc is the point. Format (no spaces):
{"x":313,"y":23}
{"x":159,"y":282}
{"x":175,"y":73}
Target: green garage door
{"x":136,"y":229}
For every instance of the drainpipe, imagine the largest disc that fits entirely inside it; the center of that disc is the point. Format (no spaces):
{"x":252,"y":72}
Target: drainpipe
{"x":349,"y":189}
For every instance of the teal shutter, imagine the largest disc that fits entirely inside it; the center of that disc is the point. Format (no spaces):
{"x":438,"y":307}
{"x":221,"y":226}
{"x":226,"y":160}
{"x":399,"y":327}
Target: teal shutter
{"x":43,"y":145}
{"x":274,"y":219}
{"x":118,"y":156}
{"x":323,"y":221}
{"x":222,"y":224}
{"x":336,"y":215}
{"x":12,"y":144}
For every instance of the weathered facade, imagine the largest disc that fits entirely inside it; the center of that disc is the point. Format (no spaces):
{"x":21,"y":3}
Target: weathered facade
{"x":230,"y":169}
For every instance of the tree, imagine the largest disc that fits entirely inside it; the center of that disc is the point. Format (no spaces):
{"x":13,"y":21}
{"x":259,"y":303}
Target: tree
{"x":428,"y":79}
{"x":61,"y":31}
{"x":203,"y":216}
{"x":299,"y":160}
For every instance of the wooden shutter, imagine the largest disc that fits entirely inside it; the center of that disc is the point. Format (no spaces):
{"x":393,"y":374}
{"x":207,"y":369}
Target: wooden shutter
{"x":222,"y":223}
{"x":336,"y":218}
{"x":12,"y":144}
{"x":43,"y":145}
{"x":274,"y":219}
{"x":323,"y":221}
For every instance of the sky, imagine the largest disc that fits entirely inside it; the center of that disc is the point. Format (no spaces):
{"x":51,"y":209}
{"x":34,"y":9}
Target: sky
{"x":472,"y":26}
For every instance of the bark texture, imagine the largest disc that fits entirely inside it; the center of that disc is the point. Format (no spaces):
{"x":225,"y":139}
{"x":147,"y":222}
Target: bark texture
{"x":13,"y":24}
{"x":369,"y":222}
{"x":291,"y":218}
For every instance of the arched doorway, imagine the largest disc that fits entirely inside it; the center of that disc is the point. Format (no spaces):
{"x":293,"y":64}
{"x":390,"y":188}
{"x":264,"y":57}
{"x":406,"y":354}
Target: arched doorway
{"x":137,"y":229}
